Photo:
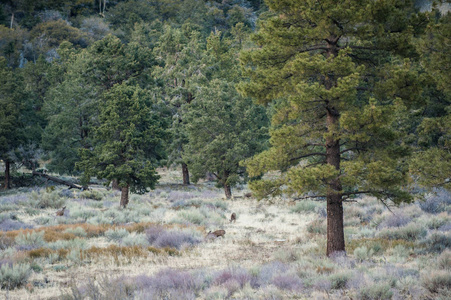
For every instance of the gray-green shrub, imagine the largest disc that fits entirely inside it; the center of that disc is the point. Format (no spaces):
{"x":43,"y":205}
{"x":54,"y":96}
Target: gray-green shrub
{"x":444,"y":260}
{"x":14,"y":276}
{"x":116,"y":235}
{"x":50,"y":199}
{"x":411,"y":232}
{"x":377,"y":291}
{"x":31,"y":240}
{"x":305,"y":206}
{"x":92,"y":194}
{"x":437,"y":281}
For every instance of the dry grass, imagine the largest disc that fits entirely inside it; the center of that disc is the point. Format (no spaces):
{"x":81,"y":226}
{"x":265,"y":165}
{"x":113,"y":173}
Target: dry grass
{"x":264,"y":232}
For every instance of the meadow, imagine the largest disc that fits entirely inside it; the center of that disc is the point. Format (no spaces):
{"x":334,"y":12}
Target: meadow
{"x":156,"y":247}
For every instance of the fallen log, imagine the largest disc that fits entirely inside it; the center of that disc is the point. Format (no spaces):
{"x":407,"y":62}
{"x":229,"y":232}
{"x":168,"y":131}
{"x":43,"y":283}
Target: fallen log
{"x":71,"y":185}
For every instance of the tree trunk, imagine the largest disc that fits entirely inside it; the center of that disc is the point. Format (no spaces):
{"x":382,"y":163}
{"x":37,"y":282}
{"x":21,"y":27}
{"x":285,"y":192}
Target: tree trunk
{"x":7,"y":175}
{"x":57,"y":180}
{"x":124,"y":196}
{"x":228,"y":191}
{"x":12,"y":21}
{"x":335,"y":231}
{"x":115,"y":185}
{"x":185,"y":173}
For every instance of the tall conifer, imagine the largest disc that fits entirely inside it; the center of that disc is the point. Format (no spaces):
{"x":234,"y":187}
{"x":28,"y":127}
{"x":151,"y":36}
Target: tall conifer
{"x":339,"y":75}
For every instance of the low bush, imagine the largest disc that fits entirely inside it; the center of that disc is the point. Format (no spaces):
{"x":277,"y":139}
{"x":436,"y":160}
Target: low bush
{"x":437,"y":242}
{"x":395,"y":220}
{"x":239,"y":275}
{"x":30,"y":240}
{"x":50,"y":199}
{"x":317,"y":226}
{"x":9,"y":225}
{"x":378,"y":245}
{"x":444,"y":260}
{"x":134,"y":239}
{"x":175,"y":239}
{"x":305,"y":206}
{"x":437,"y":281}
{"x":445,"y":227}
{"x":77,"y":231}
{"x":14,"y":276}
{"x":5,"y":241}
{"x":92,"y":194}
{"x":436,"y":202}
{"x":377,"y":291}
{"x":117,"y":234}
{"x":437,"y":222}
{"x":363,"y":253}
{"x":339,"y":281}
{"x":76,"y":243}
{"x":411,"y":232}
{"x":290,"y":282}
{"x":193,"y":216}
{"x":183,"y":203}
{"x":40,"y":252}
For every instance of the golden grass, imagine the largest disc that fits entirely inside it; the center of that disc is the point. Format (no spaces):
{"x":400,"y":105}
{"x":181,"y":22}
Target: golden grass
{"x":111,"y":251}
{"x":55,"y":233}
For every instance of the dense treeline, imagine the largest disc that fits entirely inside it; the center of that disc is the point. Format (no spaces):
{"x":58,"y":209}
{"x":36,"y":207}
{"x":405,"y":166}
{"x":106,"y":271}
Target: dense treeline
{"x":357,"y":94}
{"x":114,"y":89}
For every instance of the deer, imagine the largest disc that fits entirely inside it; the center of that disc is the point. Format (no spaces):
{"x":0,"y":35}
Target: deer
{"x":233,"y":218}
{"x":60,"y":212}
{"x":216,"y":233}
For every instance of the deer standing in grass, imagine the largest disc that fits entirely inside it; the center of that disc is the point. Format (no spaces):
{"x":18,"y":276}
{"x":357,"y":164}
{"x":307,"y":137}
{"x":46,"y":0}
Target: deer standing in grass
{"x":216,"y":233}
{"x":60,"y":212}
{"x":233,"y":218}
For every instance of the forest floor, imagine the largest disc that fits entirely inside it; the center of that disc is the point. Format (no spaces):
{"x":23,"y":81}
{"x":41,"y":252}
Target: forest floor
{"x":157,"y":248}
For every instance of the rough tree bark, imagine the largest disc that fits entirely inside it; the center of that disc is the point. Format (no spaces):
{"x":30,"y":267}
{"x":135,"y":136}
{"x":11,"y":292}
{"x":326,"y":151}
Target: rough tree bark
{"x":185,"y":173}
{"x":335,"y":232}
{"x":228,"y":191}
{"x":124,"y":196}
{"x":7,"y":175}
{"x":115,"y":185}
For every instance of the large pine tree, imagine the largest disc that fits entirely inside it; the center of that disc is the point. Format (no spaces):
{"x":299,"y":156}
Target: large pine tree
{"x":128,"y":142}
{"x":339,"y":76}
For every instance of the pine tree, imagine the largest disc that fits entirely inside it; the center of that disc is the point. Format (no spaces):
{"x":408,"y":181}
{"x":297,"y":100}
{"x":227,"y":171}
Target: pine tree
{"x":182,"y":74}
{"x":128,"y":142}
{"x":72,"y":104}
{"x":432,"y":160}
{"x":12,"y":101}
{"x":339,"y":76}
{"x":223,"y":128}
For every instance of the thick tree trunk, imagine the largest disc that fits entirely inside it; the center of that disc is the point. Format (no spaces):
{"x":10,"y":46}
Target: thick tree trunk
{"x":185,"y":173}
{"x":7,"y":175}
{"x":115,"y":185}
{"x":335,"y":232}
{"x":228,"y":191}
{"x":124,"y":196}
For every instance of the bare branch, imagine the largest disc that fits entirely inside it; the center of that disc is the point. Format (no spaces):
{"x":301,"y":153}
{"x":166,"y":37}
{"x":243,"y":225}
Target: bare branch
{"x":351,"y":149}
{"x":309,"y":197}
{"x":307,"y":155}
